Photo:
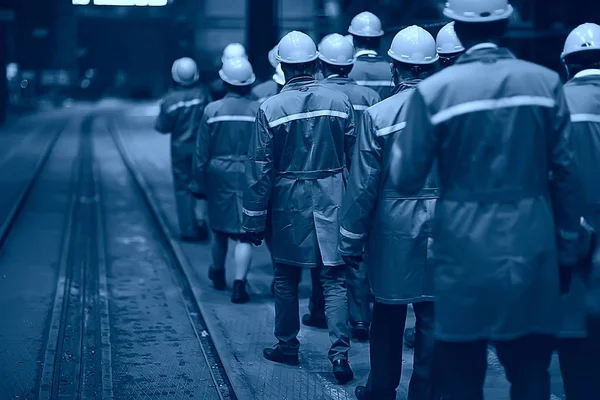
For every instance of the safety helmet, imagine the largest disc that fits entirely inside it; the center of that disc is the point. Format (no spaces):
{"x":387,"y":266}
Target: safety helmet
{"x":237,"y":72}
{"x":585,"y":37}
{"x":296,"y":48}
{"x":233,"y":50}
{"x":350,"y":38}
{"x":185,"y":71}
{"x":335,"y":49}
{"x":366,"y":24}
{"x":413,"y":45}
{"x":447,"y":42}
{"x":273,"y":57}
{"x":478,"y":10}
{"x":278,"y":76}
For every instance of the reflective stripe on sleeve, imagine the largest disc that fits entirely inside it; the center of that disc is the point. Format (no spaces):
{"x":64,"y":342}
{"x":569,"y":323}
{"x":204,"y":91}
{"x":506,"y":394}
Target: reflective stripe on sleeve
{"x":231,"y":118}
{"x":390,"y":129}
{"x":567,"y":235}
{"x":488,"y":105}
{"x":585,"y":118}
{"x":376,"y":83}
{"x":359,"y":107}
{"x":184,"y":104}
{"x":254,"y":213}
{"x":307,"y":115}
{"x":351,"y":235}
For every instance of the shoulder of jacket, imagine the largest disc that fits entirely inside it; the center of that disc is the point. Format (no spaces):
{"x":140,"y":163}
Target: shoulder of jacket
{"x":211,"y":108}
{"x":389,"y":107}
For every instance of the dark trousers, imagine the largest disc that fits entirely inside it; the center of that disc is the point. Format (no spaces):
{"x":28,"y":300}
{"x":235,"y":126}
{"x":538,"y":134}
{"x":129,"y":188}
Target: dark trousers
{"x":316,"y":303}
{"x":461,"y":367}
{"x":580,"y":367}
{"x":287,"y":318}
{"x":387,"y":332}
{"x":359,"y":295}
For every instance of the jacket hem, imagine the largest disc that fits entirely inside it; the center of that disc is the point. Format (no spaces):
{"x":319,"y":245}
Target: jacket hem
{"x":420,"y":299}
{"x":294,"y":263}
{"x":493,"y":337}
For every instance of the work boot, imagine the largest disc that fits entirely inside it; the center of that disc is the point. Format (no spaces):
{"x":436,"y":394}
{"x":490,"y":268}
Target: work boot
{"x":239,"y":295}
{"x":342,"y":371}
{"x":409,"y":338}
{"x":361,"y":331}
{"x":314,"y":322}
{"x":276,"y":355}
{"x":217,"y":276}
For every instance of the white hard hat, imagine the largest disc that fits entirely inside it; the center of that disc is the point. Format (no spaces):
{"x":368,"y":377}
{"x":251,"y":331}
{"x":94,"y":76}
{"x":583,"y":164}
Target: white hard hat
{"x":273,"y":57}
{"x":185,"y":71}
{"x":447,"y":42}
{"x":279,"y":76}
{"x":237,"y":72}
{"x":233,"y":50}
{"x":478,"y":10}
{"x":366,"y":24}
{"x":336,"y":50}
{"x":585,"y":37}
{"x":350,"y":38}
{"x":413,"y":45}
{"x":296,"y":48}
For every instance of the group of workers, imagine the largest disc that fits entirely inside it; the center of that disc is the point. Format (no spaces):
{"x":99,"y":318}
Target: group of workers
{"x":456,"y":178}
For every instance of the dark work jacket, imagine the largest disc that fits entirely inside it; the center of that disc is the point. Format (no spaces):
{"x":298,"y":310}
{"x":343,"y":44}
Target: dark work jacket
{"x":303,"y":140}
{"x":583,"y":97}
{"x":374,"y":72}
{"x":395,"y":227}
{"x":499,"y":128}
{"x":221,"y":151}
{"x":361,"y":97}
{"x":180,"y":112}
{"x":267,"y":89}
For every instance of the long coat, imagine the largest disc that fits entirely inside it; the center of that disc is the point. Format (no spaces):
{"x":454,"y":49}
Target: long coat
{"x":583,"y":98}
{"x":303,"y":140}
{"x":222,"y":146}
{"x":395,"y":227}
{"x":499,"y":128}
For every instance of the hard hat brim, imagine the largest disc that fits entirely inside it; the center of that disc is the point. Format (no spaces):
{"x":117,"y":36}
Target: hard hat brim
{"x":355,"y":33}
{"x":186,"y":83}
{"x":405,"y":61}
{"x":580,"y":50}
{"x":339,"y":64}
{"x":491,"y":18}
{"x":446,"y":53}
{"x":309,"y":59}
{"x":232,"y":82}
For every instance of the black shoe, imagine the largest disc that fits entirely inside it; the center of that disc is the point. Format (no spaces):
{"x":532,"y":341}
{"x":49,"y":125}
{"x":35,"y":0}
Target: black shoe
{"x":239,"y":295}
{"x":276,"y":355}
{"x":361,"y":331}
{"x":217,"y":276}
{"x":362,"y":393}
{"x":314,"y":322}
{"x":409,"y":338}
{"x":342,"y":371}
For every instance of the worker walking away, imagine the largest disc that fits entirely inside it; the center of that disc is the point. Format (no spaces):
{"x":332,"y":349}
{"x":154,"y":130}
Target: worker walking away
{"x":578,"y":360}
{"x":449,"y":49}
{"x":370,"y":69}
{"x":218,"y":89}
{"x":303,"y":140}
{"x":394,"y":228}
{"x":270,"y":88}
{"x":219,"y":163}
{"x":337,"y":60}
{"x":502,"y":228}
{"x":178,"y":111}
{"x":449,"y":46}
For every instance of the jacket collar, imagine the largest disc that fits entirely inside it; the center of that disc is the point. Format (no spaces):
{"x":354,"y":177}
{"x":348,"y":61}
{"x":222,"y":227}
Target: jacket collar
{"x":485,"y":53}
{"x":368,"y":53}
{"x":298,"y":82}
{"x":405,"y":85}
{"x":341,"y":79}
{"x":482,"y":46}
{"x":587,"y":72}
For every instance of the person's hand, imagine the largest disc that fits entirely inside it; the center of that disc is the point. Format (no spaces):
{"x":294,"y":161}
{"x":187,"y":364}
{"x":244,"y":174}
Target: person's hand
{"x":256,"y":238}
{"x":353,"y":261}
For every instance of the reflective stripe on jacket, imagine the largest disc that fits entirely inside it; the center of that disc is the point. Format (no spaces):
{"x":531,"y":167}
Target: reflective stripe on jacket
{"x":361,"y":97}
{"x":498,"y":127}
{"x":219,"y":162}
{"x":303,"y":140}
{"x":374,"y":72}
{"x":583,"y":97}
{"x":395,"y":227}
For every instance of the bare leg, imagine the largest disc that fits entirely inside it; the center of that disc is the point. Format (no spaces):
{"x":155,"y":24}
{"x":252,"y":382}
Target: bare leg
{"x":243,"y":258}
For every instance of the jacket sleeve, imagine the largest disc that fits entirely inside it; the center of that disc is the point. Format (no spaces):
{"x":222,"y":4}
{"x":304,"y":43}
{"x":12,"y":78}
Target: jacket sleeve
{"x":349,"y":136}
{"x":259,"y":176}
{"x":201,"y":158}
{"x":361,"y":193}
{"x":164,"y":121}
{"x":413,"y":151}
{"x":564,"y":184}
